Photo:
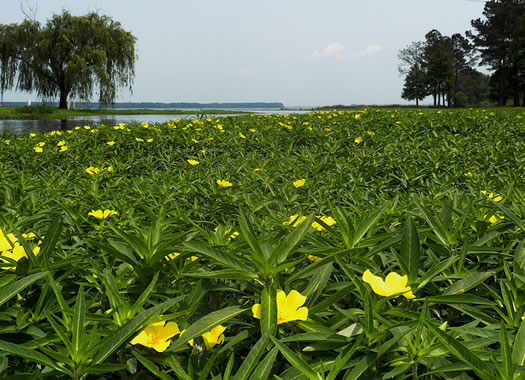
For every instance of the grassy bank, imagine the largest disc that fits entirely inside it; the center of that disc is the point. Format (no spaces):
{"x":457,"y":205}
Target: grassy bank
{"x":382,"y":244}
{"x":48,"y":113}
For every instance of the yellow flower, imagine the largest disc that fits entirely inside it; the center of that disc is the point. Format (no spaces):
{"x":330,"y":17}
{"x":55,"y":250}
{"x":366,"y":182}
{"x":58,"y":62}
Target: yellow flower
{"x":224,"y":183}
{"x":63,"y":148}
{"x":32,"y":134}
{"x":371,"y":133}
{"x":109,"y":169}
{"x":139,"y":139}
{"x":149,"y":140}
{"x":328,"y":221}
{"x":193,"y":162}
{"x":99,"y":214}
{"x":241,"y":135}
{"x":111,"y":143}
{"x":493,"y":219}
{"x":357,"y":116}
{"x":294,"y":217}
{"x":38,"y":149}
{"x":61,"y":143}
{"x":393,"y":284}
{"x":7,"y":141}
{"x":495,"y":198}
{"x":92,"y":170}
{"x":173,"y":255}
{"x":313,"y":258}
{"x":156,"y":335}
{"x":358,"y":140}
{"x":257,"y":169}
{"x":299,"y":182}
{"x":15,"y":254}
{"x":12,"y":249}
{"x":214,"y":336}
{"x":288,"y":307}
{"x":467,"y":174}
{"x":7,"y":242}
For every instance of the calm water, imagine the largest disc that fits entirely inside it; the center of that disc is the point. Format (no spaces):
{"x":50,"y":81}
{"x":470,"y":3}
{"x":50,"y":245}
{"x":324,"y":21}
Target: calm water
{"x":42,"y":126}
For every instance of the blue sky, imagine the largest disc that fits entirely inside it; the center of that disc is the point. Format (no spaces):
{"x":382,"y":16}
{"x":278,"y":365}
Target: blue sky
{"x":298,"y":52}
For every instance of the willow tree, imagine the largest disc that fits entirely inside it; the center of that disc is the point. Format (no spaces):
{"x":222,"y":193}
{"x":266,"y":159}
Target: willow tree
{"x":69,"y":56}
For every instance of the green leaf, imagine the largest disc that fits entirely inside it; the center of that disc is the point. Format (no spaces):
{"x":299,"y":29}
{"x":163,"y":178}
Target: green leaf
{"x":117,"y":302}
{"x":458,"y":299}
{"x":295,"y":360}
{"x":343,"y":358}
{"x":233,"y":262}
{"x":435,"y":270}
{"x":265,"y":366}
{"x":144,"y":296}
{"x":250,"y":361}
{"x":207,"y":323}
{"x":48,"y":244}
{"x":365,"y":225}
{"x":15,"y":288}
{"x":518,"y":350}
{"x":268,"y":311}
{"x":290,"y":241}
{"x":507,"y":368}
{"x":77,"y":331}
{"x":458,"y":350}
{"x":469,"y":282}
{"x":99,"y":369}
{"x":248,"y":235}
{"x":318,"y":282}
{"x":113,"y":341}
{"x":435,"y":224}
{"x":34,"y":356}
{"x":225,"y":274}
{"x":519,"y":259}
{"x":177,"y":368}
{"x":410,"y":254}
{"x":229,"y":367}
{"x":511,"y":215}
{"x":324,"y":336}
{"x":150,"y":366}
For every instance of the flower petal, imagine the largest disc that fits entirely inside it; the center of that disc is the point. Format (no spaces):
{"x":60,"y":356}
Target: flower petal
{"x":376,"y":283}
{"x":394,"y":283}
{"x":256,"y":310}
{"x":295,"y":300}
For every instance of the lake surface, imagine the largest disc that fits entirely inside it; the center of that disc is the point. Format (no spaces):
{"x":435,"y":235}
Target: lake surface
{"x":42,"y":126}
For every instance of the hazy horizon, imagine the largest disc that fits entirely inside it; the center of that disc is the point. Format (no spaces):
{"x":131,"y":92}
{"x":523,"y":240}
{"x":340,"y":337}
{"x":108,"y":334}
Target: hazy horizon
{"x":299,"y":53}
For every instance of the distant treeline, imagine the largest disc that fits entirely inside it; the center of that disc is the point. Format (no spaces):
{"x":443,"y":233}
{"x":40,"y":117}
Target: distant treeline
{"x":94,"y":105}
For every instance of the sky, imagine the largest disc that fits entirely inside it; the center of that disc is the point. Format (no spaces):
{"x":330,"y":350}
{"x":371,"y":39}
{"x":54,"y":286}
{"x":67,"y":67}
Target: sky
{"x":298,"y":52}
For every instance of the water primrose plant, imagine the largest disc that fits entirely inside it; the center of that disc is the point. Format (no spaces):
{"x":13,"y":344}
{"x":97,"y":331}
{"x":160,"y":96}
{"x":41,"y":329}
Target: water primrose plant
{"x":402,"y":255}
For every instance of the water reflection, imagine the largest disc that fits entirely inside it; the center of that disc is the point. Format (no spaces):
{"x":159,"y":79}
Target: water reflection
{"x":42,"y":126}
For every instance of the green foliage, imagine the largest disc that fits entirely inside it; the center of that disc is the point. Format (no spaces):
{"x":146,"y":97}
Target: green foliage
{"x":67,"y":57}
{"x":434,"y":195}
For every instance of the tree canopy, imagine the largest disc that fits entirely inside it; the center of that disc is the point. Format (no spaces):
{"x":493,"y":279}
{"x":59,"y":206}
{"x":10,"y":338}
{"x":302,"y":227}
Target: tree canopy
{"x":500,"y":39}
{"x":438,"y":66}
{"x":69,"y":56}
{"x":443,"y":66}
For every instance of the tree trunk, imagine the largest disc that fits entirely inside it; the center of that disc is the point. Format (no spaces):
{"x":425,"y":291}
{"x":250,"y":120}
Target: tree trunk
{"x":516,"y":98}
{"x":417,"y":102}
{"x":63,"y":99}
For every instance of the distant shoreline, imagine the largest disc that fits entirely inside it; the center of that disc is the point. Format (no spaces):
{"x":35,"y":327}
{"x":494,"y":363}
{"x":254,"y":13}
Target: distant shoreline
{"x":156,"y":105}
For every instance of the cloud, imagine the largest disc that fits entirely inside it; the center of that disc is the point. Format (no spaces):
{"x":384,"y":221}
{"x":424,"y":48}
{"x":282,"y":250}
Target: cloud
{"x":334,"y":49}
{"x":370,"y":50}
